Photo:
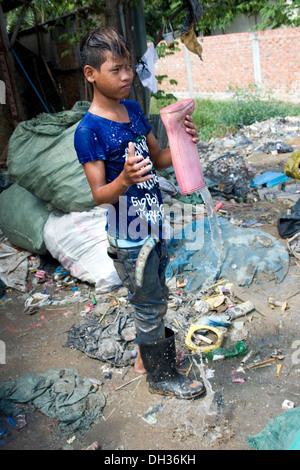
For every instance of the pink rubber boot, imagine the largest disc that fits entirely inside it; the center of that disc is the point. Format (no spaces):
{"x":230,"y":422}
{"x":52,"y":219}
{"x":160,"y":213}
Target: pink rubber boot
{"x":185,"y":157}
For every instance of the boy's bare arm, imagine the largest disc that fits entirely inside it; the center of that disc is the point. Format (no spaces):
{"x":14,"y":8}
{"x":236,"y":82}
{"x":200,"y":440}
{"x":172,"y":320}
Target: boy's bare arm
{"x":109,"y":193}
{"x":162,"y":158}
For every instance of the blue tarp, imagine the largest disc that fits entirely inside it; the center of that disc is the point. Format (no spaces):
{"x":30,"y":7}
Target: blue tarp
{"x":247,"y":255}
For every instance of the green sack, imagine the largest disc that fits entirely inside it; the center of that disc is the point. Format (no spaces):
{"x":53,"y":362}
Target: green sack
{"x":42,"y":159}
{"x":22,"y":219}
{"x":281,"y":433}
{"x":292,"y":168}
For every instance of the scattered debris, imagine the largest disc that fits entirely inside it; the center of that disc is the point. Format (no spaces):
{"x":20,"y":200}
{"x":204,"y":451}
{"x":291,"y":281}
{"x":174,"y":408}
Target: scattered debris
{"x":129,"y":382}
{"x":94,"y":446}
{"x":215,"y":322}
{"x":260,"y":364}
{"x":151,"y":416}
{"x":287,"y":405}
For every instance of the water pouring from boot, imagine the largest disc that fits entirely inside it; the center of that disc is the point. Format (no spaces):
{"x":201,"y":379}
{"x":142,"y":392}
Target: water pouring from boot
{"x":188,"y":170}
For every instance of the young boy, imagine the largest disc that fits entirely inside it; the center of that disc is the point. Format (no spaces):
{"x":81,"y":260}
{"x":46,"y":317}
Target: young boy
{"x":118,"y":151}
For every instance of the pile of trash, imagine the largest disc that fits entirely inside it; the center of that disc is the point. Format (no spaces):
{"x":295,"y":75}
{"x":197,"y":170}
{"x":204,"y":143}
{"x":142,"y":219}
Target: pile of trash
{"x":107,"y":332}
{"x":216,"y":324}
{"x":224,"y":159}
{"x":46,"y":205}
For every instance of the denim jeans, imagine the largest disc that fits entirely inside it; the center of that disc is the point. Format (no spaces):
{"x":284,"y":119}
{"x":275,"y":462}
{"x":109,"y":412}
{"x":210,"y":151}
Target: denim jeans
{"x":150,"y":300}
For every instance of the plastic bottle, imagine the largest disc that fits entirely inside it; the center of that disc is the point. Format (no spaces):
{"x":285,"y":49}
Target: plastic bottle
{"x":224,"y":353}
{"x":185,"y":157}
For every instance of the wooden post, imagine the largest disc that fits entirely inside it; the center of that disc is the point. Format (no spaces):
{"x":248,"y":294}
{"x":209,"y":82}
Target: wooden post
{"x":8,"y":71}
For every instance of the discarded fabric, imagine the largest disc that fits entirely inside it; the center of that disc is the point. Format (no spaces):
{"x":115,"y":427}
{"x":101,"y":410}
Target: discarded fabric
{"x":294,"y":245}
{"x":101,"y":340}
{"x":276,"y":147}
{"x":58,"y":393}
{"x":13,"y":267}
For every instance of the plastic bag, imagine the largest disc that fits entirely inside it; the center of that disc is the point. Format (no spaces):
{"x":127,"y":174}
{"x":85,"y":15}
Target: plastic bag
{"x":42,"y":159}
{"x":14,"y":266}
{"x":292,"y":168}
{"x":281,"y":433}
{"x":78,"y":240}
{"x":288,"y":225}
{"x":246,"y":254}
{"x":22,"y":219}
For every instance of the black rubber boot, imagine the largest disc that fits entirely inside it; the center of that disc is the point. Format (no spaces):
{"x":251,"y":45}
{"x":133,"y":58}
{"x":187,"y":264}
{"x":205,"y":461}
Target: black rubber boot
{"x":159,"y":360}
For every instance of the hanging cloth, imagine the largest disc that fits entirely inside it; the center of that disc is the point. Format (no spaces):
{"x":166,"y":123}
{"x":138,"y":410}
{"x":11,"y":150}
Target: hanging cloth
{"x":188,"y":36}
{"x":189,"y":39}
{"x":145,"y":68}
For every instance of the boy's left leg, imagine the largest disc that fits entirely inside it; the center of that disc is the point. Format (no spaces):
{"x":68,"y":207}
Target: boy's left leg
{"x":150,"y":300}
{"x":138,"y":365}
{"x":156,"y":343}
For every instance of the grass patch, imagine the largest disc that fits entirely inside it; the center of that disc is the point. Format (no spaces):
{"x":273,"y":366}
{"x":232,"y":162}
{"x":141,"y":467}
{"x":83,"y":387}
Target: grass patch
{"x":221,"y":118}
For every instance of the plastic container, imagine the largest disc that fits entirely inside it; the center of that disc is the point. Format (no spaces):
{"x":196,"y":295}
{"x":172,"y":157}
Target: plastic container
{"x":184,"y":153}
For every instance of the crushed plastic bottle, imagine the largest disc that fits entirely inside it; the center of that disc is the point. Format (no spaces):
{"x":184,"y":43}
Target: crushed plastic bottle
{"x":239,"y":310}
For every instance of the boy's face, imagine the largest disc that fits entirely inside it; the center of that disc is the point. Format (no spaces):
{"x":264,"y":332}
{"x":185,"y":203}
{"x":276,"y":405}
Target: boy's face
{"x":114,"y":78}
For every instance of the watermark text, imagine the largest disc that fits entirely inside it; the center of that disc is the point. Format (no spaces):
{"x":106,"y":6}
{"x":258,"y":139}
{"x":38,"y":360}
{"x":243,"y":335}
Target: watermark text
{"x":2,"y":92}
{"x":2,"y":352}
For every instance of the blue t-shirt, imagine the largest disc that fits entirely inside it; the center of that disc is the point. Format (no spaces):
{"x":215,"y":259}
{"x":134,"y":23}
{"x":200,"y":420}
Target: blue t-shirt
{"x":139,"y":211}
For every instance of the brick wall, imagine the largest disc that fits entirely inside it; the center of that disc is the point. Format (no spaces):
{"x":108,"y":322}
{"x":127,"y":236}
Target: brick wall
{"x":269,"y":58}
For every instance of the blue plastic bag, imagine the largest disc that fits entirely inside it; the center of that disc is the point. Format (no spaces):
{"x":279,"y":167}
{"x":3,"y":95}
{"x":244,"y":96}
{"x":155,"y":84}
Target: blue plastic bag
{"x":246,"y":254}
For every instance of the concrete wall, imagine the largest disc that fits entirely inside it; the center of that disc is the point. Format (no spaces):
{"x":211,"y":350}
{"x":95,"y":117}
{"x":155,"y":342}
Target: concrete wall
{"x":270,"y":59}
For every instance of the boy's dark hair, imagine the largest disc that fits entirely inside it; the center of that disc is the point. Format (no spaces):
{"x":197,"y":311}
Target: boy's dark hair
{"x":94,"y":46}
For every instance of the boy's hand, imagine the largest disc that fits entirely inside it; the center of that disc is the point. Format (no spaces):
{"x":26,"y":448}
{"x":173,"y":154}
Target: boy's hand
{"x":136,"y":167}
{"x":191,"y":128}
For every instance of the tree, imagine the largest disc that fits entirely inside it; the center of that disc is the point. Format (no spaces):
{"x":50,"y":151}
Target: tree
{"x":217,"y":14}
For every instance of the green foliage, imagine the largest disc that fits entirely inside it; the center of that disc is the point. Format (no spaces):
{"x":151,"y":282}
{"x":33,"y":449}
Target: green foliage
{"x":208,"y":117}
{"x":218,"y":14}
{"x":279,"y":13}
{"x":161,"y":95}
{"x":159,"y":101}
{"x":249,"y":105}
{"x":12,"y":18}
{"x":163,"y":50}
{"x":220,"y":118}
{"x":42,"y":11}
{"x":157,"y":13}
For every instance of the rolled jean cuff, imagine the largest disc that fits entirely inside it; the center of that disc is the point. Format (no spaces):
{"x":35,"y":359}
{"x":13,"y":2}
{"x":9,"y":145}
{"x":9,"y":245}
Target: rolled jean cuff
{"x":150,"y":300}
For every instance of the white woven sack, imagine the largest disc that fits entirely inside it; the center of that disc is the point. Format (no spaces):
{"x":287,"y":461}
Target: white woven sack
{"x":78,"y":241}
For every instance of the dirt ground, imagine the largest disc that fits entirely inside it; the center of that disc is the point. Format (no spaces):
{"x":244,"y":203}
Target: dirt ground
{"x":223,"y":420}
